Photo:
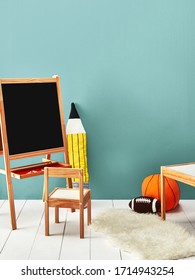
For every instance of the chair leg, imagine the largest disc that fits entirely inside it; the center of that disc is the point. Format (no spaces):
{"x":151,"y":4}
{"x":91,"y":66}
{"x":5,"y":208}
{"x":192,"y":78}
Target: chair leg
{"x":89,"y":212}
{"x":56,"y":215}
{"x":46,"y":218}
{"x":81,"y":221}
{"x":69,"y":183}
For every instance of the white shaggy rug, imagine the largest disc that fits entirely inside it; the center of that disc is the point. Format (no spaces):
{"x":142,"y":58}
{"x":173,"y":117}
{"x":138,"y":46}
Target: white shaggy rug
{"x":144,"y":236}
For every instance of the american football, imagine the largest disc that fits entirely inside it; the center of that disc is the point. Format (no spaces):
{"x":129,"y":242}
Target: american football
{"x":145,"y":204}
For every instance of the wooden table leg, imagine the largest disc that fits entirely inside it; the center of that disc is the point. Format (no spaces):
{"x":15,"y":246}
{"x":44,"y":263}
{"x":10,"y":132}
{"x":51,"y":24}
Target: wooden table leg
{"x":163,"y":203}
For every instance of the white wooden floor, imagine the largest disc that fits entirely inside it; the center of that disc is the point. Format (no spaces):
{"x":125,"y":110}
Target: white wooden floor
{"x":28,"y":242}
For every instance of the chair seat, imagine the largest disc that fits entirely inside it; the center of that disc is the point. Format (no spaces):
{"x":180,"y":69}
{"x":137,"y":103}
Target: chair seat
{"x":65,"y":193}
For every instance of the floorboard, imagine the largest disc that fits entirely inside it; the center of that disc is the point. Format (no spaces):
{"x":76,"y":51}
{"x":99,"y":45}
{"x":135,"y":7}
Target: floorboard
{"x":73,"y":247}
{"x":100,"y":247}
{"x":5,"y":222}
{"x":20,"y":241}
{"x":49,"y":247}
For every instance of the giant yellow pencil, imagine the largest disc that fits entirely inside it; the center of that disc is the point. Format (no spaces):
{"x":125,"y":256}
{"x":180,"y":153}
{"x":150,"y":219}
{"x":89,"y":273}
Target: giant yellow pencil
{"x":77,"y":143}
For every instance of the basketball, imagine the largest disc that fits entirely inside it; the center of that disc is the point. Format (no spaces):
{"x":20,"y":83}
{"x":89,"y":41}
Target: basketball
{"x":151,"y":186}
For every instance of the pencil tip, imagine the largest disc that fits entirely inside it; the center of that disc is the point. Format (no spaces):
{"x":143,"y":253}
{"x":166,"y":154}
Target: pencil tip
{"x":73,"y":113}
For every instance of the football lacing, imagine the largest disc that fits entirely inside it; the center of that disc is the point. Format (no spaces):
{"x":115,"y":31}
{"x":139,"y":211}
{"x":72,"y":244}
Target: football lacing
{"x":143,"y":200}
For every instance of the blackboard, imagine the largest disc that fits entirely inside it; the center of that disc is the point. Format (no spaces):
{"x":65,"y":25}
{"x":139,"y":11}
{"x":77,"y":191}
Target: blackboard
{"x":32,"y":117}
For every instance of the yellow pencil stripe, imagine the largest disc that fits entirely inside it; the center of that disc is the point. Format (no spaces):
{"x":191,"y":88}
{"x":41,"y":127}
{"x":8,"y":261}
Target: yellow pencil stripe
{"x":70,"y":151}
{"x":78,"y":153}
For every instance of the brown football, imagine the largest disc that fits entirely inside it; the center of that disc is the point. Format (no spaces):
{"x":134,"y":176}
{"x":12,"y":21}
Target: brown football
{"x":145,"y":204}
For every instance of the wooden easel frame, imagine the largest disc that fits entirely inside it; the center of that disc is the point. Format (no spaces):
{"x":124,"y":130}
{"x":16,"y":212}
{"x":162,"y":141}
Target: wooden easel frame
{"x":13,"y":172}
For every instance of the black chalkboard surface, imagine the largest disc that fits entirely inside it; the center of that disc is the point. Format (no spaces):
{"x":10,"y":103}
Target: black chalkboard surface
{"x":32,"y":117}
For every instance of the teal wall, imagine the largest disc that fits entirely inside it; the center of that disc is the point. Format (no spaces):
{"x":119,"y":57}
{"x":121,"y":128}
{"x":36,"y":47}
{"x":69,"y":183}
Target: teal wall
{"x":129,"y":65}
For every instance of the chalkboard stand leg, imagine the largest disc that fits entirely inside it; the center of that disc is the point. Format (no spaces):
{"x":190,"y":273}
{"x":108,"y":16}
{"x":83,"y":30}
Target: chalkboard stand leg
{"x":11,"y":202}
{"x":10,"y":191}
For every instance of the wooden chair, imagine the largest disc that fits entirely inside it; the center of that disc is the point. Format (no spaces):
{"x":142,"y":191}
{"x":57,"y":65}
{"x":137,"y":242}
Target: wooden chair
{"x":73,"y":198}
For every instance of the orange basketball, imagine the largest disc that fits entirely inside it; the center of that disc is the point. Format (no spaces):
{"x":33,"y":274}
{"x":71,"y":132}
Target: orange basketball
{"x":151,"y":187}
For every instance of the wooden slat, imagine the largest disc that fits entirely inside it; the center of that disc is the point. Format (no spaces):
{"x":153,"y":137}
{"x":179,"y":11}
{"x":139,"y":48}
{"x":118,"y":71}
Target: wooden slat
{"x":37,"y":153}
{"x":64,"y":204}
{"x":63,"y":125}
{"x":64,"y":172}
{"x":27,"y":80}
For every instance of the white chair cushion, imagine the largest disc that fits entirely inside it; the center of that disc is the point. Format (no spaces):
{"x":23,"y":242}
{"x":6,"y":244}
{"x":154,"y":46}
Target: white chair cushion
{"x":67,"y":193}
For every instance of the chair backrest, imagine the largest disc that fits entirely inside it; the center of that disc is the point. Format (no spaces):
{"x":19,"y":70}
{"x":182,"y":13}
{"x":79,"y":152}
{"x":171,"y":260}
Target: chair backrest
{"x":59,"y":172}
